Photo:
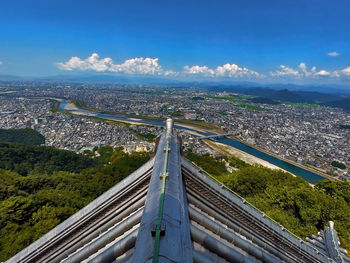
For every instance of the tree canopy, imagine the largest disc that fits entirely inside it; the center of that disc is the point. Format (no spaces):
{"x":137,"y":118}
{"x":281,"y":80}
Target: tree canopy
{"x":291,"y":201}
{"x":25,"y":159}
{"x":23,"y":136}
{"x":53,"y":189}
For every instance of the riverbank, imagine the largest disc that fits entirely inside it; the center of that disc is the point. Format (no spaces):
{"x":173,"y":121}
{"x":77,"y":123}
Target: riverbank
{"x":190,"y":124}
{"x":199,"y":125}
{"x":246,"y":157}
{"x":309,"y":174}
{"x":70,"y":106}
{"x":312,"y":170}
{"x":192,"y":129}
{"x":266,"y":163}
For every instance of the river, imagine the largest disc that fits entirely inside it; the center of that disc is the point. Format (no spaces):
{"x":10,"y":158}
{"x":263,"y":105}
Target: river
{"x":307,"y":175}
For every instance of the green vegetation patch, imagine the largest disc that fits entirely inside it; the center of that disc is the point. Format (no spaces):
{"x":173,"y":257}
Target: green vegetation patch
{"x":216,"y":166}
{"x":83,"y":106}
{"x":209,"y":164}
{"x":263,"y":100}
{"x":300,"y":104}
{"x":233,"y":98}
{"x":250,"y":107}
{"x":23,"y":136}
{"x":289,"y":200}
{"x":30,"y":206}
{"x":150,"y":137}
{"x":25,"y":159}
{"x":175,"y":113}
{"x":338,"y":165}
{"x":55,"y":107}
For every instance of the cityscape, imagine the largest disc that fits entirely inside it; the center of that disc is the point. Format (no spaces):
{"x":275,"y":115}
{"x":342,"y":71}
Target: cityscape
{"x":191,"y":131}
{"x":307,"y":134}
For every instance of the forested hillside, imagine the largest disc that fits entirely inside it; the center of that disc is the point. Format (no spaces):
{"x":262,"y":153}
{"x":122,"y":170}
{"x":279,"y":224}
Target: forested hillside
{"x":44,"y":195}
{"x":289,"y":200}
{"x":52,"y":185}
{"x":25,"y":159}
{"x":23,"y":136}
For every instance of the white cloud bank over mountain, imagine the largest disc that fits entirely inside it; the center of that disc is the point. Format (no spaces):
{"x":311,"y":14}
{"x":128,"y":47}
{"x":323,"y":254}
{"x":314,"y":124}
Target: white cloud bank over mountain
{"x":226,"y":70}
{"x":346,"y":71}
{"x":302,"y":72}
{"x":131,"y":66}
{"x":151,"y":66}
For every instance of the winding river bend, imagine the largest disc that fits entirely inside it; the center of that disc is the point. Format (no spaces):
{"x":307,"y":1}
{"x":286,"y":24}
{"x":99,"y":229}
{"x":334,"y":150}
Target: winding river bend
{"x":307,"y":175}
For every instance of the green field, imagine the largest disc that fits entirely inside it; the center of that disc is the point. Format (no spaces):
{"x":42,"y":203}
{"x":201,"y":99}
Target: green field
{"x":233,"y":98}
{"x":250,"y":107}
{"x":300,"y":104}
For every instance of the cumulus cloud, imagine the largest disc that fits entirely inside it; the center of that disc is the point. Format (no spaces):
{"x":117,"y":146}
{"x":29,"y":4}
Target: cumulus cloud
{"x":285,"y":71}
{"x":346,"y":71}
{"x":302,"y":72}
{"x":151,"y":66}
{"x":323,"y":73}
{"x":226,"y":70}
{"x":233,"y":70}
{"x":91,"y":63}
{"x":204,"y":70}
{"x":139,"y":65}
{"x":333,"y":54}
{"x":171,"y":73}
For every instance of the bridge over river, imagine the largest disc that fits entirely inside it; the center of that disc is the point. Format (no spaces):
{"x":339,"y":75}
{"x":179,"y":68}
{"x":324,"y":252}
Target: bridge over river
{"x":215,"y":136}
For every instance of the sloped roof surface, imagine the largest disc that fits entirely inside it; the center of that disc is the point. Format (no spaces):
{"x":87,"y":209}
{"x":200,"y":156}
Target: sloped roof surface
{"x":110,"y":220}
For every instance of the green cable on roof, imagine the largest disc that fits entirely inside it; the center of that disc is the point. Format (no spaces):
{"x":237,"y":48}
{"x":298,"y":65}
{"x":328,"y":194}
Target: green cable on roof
{"x":161,"y":204}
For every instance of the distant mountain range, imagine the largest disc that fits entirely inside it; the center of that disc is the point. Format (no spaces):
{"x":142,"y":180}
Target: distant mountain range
{"x":276,"y":96}
{"x":270,"y":96}
{"x":100,"y":78}
{"x":343,"y":103}
{"x":225,"y":84}
{"x":328,"y":95}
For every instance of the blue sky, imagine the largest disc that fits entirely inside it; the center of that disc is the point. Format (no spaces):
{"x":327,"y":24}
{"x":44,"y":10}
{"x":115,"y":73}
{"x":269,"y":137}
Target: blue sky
{"x":299,"y":41}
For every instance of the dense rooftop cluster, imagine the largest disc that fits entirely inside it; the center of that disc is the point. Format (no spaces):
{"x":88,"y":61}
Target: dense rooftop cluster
{"x":307,"y":134}
{"x":65,"y":131}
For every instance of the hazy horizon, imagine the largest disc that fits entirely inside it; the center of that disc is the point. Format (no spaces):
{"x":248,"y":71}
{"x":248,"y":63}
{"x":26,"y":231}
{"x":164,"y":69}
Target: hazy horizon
{"x":298,"y":42}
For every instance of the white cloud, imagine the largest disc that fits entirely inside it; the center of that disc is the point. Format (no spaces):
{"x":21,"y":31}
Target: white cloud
{"x":204,"y":70}
{"x":91,"y":63}
{"x":233,"y":70}
{"x":346,"y":71}
{"x":285,"y":71}
{"x":302,"y":72}
{"x":151,"y":66}
{"x":323,"y":73}
{"x":170,"y":73}
{"x":226,"y":70}
{"x":0,"y":62}
{"x":333,"y":54}
{"x":139,"y":65}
